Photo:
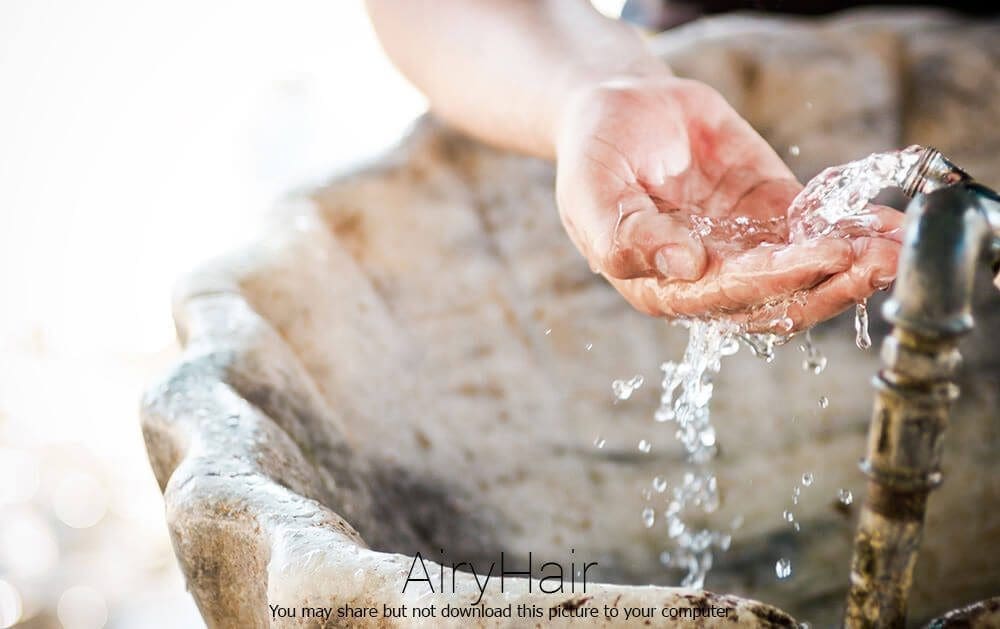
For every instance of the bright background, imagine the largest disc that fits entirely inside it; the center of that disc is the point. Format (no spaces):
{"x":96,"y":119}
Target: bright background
{"x":137,"y":138}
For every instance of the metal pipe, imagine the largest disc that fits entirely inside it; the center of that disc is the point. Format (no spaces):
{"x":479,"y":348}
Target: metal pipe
{"x":946,"y":230}
{"x":931,"y":172}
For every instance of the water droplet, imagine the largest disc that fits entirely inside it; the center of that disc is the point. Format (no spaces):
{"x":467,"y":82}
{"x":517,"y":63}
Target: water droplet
{"x":783,"y":568}
{"x":794,"y":150}
{"x":788,"y":516}
{"x":730,"y":346}
{"x":708,"y":437}
{"x":807,"y":479}
{"x":815,"y":364}
{"x":675,"y":528}
{"x":589,"y":346}
{"x":795,"y":525}
{"x":824,"y":401}
{"x":645,"y":446}
{"x":660,"y":484}
{"x":845,"y":496}
{"x":648,"y":517}
{"x":736,"y":523}
{"x":664,"y":415}
{"x":665,"y":559}
{"x":814,"y":361}
{"x":862,"y":338}
{"x":599,"y":442}
{"x":623,"y":389}
{"x":548,"y":331}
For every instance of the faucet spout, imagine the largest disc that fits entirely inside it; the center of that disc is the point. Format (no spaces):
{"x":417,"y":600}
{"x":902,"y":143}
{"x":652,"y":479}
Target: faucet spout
{"x":947,"y":228}
{"x":946,"y":232}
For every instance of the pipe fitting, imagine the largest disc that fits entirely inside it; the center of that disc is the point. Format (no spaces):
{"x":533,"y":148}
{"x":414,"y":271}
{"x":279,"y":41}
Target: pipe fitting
{"x":932,"y":172}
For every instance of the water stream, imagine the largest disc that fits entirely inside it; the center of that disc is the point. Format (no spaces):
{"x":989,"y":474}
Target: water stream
{"x":837,"y":197}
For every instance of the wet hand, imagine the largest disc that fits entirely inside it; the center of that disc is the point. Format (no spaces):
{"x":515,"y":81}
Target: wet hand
{"x":683,"y":207}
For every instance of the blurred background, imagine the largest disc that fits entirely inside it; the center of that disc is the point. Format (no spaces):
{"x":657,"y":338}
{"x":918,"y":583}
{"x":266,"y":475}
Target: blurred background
{"x":138,"y":138}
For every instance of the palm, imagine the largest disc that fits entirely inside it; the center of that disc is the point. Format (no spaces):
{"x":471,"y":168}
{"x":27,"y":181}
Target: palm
{"x":682,"y":206}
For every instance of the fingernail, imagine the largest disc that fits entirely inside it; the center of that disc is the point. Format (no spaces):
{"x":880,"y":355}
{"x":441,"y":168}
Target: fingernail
{"x":674,"y":263}
{"x":883,"y":280}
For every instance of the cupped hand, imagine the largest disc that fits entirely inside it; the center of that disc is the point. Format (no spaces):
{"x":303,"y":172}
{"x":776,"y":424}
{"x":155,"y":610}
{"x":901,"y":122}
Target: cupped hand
{"x":683,"y":207}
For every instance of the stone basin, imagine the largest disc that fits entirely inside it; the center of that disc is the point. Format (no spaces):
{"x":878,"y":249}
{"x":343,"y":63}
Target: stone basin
{"x":413,"y":359}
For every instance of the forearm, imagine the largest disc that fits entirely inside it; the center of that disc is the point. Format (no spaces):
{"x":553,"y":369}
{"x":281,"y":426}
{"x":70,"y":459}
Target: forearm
{"x":503,"y":70}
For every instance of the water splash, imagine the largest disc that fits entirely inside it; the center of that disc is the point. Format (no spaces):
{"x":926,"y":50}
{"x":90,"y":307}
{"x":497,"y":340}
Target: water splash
{"x":687,"y":391}
{"x":845,"y":496}
{"x":835,"y":200}
{"x":842,"y":193}
{"x":862,"y":338}
{"x":648,"y":517}
{"x":814,"y":362}
{"x":623,"y":389}
{"x":783,"y":568}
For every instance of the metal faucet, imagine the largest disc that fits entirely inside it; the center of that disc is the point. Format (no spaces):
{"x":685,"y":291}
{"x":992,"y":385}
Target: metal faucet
{"x":949,"y":223}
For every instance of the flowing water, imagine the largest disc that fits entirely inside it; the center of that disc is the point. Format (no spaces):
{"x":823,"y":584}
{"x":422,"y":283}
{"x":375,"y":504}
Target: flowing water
{"x":834,"y":200}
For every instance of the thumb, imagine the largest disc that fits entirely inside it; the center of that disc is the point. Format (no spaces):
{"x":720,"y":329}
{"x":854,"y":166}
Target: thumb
{"x":640,"y":241}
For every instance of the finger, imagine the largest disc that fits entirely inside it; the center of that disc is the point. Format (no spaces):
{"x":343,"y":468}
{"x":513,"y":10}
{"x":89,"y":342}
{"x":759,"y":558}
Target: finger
{"x":878,"y":220}
{"x":874,"y":267}
{"x":635,"y":239}
{"x":649,"y":243}
{"x":745,"y":280}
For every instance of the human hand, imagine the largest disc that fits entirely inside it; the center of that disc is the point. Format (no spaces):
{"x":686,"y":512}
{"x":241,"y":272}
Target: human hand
{"x":683,"y":207}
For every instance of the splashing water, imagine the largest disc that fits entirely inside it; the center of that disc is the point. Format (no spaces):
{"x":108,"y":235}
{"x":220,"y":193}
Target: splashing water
{"x":862,"y":339}
{"x":623,"y":389}
{"x":783,"y":568}
{"x":815,"y":361}
{"x":843,"y":192}
{"x":687,"y":390}
{"x":845,"y":496}
{"x":837,"y":197}
{"x":648,"y":517}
